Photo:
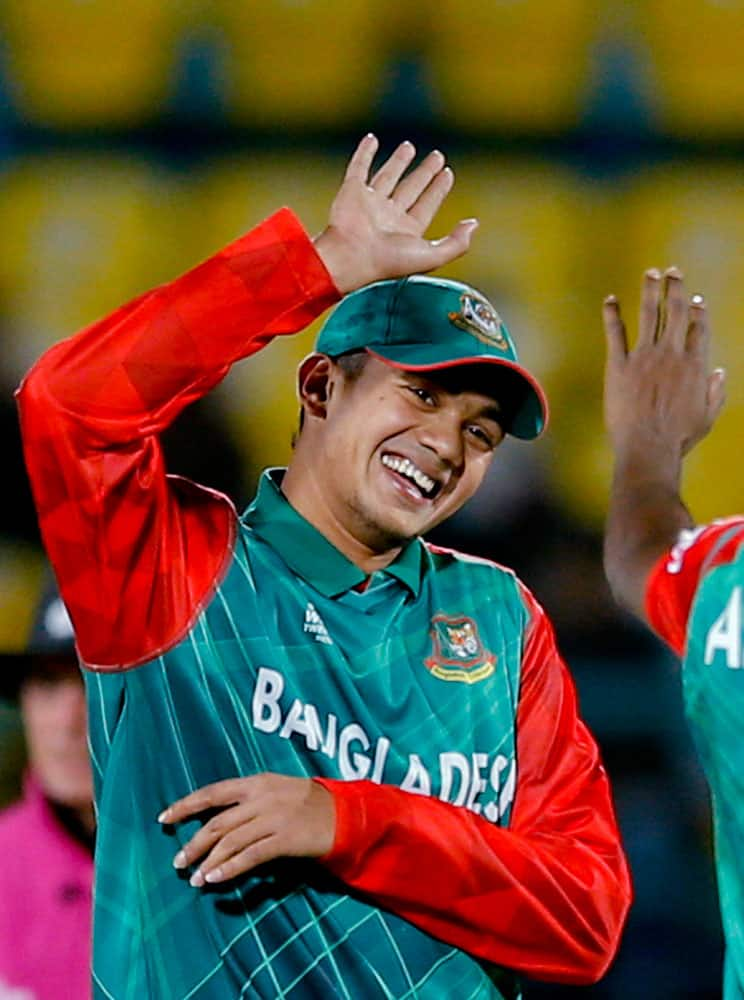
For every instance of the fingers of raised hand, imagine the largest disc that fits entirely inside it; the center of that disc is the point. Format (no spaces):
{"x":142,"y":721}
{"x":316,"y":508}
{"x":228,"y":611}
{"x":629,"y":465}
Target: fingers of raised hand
{"x":430,"y":200}
{"x":411,"y":187}
{"x":387,"y":177}
{"x":649,"y":317}
{"x":360,"y":163}
{"x":617,"y":341}
{"x":676,"y":318}
{"x":698,"y":335}
{"x":716,"y":396}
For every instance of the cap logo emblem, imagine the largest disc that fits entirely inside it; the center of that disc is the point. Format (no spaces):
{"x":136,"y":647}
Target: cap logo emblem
{"x":457,"y":653}
{"x":478,"y":317}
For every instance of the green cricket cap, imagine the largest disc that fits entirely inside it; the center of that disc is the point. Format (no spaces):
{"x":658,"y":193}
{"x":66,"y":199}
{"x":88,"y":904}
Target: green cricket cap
{"x":423,"y":324}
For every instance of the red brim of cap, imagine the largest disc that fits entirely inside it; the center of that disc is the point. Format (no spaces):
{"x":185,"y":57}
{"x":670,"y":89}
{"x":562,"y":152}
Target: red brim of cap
{"x":478,"y":359}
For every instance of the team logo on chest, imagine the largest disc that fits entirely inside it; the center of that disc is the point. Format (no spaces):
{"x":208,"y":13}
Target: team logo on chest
{"x":458,"y":653}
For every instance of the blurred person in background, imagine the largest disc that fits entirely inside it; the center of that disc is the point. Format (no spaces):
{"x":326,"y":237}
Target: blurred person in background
{"x":319,"y":637}
{"x":685,"y":580}
{"x":46,"y":838}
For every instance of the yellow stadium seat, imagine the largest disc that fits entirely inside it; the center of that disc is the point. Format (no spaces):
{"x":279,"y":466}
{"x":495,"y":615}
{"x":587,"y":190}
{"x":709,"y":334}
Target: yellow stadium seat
{"x":302,"y":63}
{"x":695,"y":49}
{"x":80,"y":236}
{"x":79,"y":64}
{"x":511,"y":64}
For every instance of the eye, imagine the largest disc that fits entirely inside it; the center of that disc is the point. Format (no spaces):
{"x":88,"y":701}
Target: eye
{"x":482,"y":436}
{"x":423,"y":394}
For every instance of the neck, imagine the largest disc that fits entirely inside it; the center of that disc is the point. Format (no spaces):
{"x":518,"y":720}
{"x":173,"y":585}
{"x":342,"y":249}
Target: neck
{"x":304,"y":492}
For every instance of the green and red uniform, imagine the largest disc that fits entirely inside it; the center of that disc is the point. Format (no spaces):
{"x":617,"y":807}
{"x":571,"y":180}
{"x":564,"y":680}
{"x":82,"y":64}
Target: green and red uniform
{"x":475,"y":833}
{"x":694,"y":601}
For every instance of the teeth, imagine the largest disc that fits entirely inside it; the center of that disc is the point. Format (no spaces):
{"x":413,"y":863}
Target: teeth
{"x":405,"y":467}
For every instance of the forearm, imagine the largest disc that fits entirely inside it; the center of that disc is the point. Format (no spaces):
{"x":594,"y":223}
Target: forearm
{"x":646,"y":514}
{"x":134,"y":551}
{"x":129,"y":374}
{"x":548,"y":905}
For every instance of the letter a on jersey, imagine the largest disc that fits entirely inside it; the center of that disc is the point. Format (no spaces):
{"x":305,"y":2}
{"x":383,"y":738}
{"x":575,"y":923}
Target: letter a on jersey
{"x":724,"y":635}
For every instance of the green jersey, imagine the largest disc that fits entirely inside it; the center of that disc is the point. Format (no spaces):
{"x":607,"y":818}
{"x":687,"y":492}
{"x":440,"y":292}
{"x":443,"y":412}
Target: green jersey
{"x":475,"y":838}
{"x":696,"y":601}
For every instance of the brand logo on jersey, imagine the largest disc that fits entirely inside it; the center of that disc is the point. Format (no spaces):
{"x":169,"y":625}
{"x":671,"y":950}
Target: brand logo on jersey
{"x":478,"y":317}
{"x":457,"y":651}
{"x":315,"y":626}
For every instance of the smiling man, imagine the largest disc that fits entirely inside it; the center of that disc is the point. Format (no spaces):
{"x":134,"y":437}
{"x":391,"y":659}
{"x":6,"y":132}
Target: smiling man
{"x":363,"y":752}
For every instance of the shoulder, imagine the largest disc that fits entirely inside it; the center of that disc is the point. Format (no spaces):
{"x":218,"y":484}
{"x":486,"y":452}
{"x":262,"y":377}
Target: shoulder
{"x":442,"y":558}
{"x":499,"y":583}
{"x":674,"y":581}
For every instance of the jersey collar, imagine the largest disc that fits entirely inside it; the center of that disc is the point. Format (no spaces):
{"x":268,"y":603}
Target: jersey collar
{"x":309,"y":553}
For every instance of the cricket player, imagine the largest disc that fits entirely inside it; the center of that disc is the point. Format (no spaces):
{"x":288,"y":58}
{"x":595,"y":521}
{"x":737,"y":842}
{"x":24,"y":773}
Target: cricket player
{"x":685,"y":580}
{"x":331,"y":760}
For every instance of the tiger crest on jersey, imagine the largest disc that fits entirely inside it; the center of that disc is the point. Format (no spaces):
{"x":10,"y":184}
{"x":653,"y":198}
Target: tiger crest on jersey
{"x":458,"y":653}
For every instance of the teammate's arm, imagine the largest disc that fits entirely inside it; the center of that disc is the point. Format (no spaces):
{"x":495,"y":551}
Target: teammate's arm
{"x":547,"y":896}
{"x":136,"y":552}
{"x":660,"y":400}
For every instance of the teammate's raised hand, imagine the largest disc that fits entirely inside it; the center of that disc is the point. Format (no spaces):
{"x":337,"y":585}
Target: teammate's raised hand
{"x":377,"y":223}
{"x":661,"y":392}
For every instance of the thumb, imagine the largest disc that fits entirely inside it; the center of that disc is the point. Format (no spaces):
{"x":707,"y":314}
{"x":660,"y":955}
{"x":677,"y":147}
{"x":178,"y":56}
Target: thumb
{"x":716,"y":395}
{"x":455,"y":244}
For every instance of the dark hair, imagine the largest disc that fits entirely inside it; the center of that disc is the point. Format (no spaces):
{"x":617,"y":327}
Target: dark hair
{"x":352,"y":365}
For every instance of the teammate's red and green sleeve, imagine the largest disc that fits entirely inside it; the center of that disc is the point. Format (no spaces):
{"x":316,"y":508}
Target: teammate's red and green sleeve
{"x":674,"y":580}
{"x":547,"y":896}
{"x":137,"y":554}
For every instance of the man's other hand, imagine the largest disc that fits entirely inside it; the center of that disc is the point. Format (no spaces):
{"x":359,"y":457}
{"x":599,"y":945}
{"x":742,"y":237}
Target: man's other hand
{"x":260,"y":818}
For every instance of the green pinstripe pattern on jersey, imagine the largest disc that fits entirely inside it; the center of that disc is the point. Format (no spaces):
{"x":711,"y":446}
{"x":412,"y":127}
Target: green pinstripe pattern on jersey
{"x":714,"y":704}
{"x":280,"y":673}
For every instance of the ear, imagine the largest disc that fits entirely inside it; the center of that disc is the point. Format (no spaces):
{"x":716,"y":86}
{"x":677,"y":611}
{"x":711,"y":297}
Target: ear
{"x":315,"y":378}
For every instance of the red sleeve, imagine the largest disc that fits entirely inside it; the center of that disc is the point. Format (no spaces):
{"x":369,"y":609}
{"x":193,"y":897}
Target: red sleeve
{"x":136,"y":552}
{"x":674,"y":580}
{"x":548,"y":896}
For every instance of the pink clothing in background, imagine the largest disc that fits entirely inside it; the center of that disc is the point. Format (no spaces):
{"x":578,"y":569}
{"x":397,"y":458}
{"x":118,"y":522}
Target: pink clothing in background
{"x":46,"y":879}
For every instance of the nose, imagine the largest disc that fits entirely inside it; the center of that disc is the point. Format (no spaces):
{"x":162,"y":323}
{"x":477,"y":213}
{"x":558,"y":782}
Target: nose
{"x":443,"y":434}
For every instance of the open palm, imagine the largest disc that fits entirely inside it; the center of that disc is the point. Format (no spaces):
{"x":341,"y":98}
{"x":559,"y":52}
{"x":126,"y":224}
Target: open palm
{"x":377,"y":224}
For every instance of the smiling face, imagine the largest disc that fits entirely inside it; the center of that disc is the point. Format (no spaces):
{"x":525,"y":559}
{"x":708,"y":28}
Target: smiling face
{"x":387,"y":455}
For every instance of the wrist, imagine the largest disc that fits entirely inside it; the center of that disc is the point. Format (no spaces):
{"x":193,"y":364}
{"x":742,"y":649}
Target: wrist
{"x":338,"y":258}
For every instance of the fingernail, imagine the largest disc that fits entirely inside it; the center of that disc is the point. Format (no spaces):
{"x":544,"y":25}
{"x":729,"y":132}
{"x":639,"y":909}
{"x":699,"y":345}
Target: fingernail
{"x":163,"y":817}
{"x":673,"y":272}
{"x":611,"y":300}
{"x":197,"y":879}
{"x":180,"y":860}
{"x":654,"y":272}
{"x":214,"y":876}
{"x":698,"y":300}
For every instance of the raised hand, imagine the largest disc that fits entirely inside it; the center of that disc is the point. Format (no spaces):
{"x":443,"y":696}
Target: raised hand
{"x":661,"y":395}
{"x":376,"y":225}
{"x":260,"y":818}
